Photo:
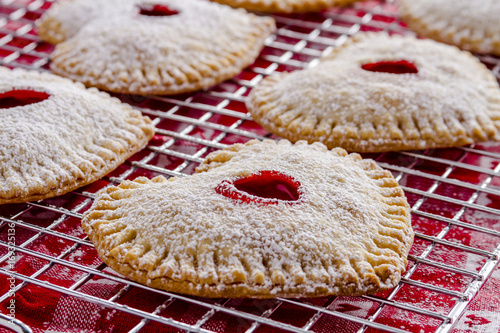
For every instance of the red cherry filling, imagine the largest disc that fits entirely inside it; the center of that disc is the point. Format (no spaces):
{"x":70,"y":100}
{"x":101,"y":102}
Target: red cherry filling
{"x":393,"y":67}
{"x":157,"y":10}
{"x":13,"y":98}
{"x":266,"y":187}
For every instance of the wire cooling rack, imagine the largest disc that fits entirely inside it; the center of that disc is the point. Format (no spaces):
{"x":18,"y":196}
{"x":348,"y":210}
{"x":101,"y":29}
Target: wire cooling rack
{"x":61,"y":285}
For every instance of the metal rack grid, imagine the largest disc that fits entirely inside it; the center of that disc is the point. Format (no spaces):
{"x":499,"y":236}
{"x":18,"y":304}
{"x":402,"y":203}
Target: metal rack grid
{"x":452,"y":192}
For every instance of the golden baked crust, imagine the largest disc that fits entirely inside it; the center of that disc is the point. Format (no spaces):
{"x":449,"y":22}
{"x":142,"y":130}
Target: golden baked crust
{"x":348,"y":233}
{"x":69,"y":140}
{"x":286,"y":6}
{"x":115,"y":49}
{"x":472,"y":25}
{"x":453,"y":100}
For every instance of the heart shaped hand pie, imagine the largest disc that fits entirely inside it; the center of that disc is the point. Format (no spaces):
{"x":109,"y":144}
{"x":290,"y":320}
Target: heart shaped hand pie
{"x":378,"y":93}
{"x":56,"y":136}
{"x":152,"y":47}
{"x":259,"y":220}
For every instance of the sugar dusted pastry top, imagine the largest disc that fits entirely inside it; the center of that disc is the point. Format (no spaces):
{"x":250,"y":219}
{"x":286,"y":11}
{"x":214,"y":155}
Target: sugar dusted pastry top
{"x":342,"y":227}
{"x":109,"y":44}
{"x":65,"y":19}
{"x":69,"y":138}
{"x":469,"y":24}
{"x":286,"y":6}
{"x":349,"y":100}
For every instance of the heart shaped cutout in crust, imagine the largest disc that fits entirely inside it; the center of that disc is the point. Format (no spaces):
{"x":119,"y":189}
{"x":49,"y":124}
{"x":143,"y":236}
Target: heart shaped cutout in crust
{"x":349,"y":232}
{"x":173,"y":47}
{"x":57,"y":136}
{"x":157,"y":10}
{"x":393,"y":67}
{"x":265,"y":187}
{"x":21,"y":97}
{"x":441,"y":97}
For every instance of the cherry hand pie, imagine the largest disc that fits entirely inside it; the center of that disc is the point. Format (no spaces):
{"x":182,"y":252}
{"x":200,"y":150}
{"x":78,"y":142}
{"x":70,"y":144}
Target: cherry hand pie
{"x":259,"y":220}
{"x":378,"y":93}
{"x":57,"y":136}
{"x":152,"y":47}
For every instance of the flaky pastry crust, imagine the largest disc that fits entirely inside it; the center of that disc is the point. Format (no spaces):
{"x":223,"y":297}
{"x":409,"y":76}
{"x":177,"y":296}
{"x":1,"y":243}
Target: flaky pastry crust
{"x":349,"y":233}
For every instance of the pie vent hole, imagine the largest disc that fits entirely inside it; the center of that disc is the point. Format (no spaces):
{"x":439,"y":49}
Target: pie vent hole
{"x":157,"y":10}
{"x":393,"y":67}
{"x":266,"y":187}
{"x":21,"y":97}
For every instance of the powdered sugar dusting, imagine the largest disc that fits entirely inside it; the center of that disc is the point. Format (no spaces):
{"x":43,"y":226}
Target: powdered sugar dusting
{"x":452,"y":100}
{"x":349,"y":233}
{"x":68,"y":140}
